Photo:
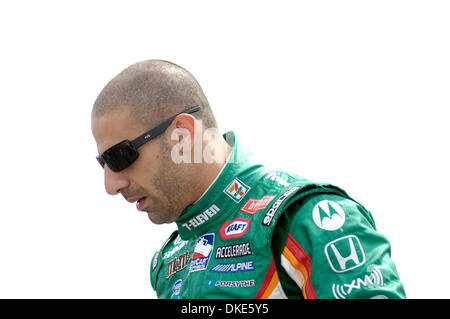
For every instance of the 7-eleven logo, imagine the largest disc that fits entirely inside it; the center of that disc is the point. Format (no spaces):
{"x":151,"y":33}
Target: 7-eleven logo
{"x":236,"y":190}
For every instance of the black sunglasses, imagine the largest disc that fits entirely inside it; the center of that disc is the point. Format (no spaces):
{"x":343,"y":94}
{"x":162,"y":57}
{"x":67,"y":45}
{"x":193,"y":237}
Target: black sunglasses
{"x":123,"y":154}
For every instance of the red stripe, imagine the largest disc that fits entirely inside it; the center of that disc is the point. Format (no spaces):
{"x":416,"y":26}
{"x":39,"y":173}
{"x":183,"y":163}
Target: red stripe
{"x":267,"y":279}
{"x":306,"y":261}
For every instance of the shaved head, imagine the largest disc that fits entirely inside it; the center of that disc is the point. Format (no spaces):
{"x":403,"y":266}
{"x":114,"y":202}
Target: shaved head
{"x":138,"y":99}
{"x":154,"y":90}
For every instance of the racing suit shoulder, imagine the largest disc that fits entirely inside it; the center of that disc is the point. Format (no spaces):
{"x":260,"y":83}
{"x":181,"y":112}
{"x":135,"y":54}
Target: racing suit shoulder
{"x":153,"y":271}
{"x":157,"y":259}
{"x":327,"y":246}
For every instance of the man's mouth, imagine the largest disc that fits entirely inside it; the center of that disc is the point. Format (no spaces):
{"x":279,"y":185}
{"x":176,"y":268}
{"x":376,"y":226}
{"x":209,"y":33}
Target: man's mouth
{"x":140,"y":201}
{"x":140,"y":204}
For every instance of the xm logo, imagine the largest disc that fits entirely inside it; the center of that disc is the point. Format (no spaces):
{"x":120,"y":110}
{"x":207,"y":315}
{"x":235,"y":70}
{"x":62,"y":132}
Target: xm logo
{"x":373,"y":279}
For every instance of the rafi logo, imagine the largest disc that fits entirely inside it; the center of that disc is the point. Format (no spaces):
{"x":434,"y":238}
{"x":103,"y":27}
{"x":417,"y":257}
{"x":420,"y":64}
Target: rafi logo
{"x":234,"y":228}
{"x":345,"y":254}
{"x":254,"y":205}
{"x":236,"y":190}
{"x":202,"y":252}
{"x":373,"y":279}
{"x":328,"y":215}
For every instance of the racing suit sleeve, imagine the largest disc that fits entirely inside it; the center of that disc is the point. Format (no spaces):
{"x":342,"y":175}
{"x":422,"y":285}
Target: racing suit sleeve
{"x":327,"y":246}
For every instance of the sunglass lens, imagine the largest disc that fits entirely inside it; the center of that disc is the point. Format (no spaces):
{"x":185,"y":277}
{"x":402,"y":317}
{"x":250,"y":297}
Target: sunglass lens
{"x":100,"y":161}
{"x":121,"y":156}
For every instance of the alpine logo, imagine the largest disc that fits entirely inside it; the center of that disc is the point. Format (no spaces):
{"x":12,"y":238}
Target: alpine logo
{"x":234,"y":267}
{"x":234,"y":228}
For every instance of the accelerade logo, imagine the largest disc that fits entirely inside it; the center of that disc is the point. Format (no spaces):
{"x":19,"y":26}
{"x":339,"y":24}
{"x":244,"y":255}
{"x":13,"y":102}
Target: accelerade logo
{"x":232,"y":251}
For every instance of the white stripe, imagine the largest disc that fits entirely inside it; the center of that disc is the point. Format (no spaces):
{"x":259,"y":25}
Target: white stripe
{"x":277,"y":293}
{"x":293,"y":272}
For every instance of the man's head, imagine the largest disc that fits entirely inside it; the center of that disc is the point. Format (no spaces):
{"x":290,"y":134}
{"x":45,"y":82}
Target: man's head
{"x":138,"y":99}
{"x":154,"y":90}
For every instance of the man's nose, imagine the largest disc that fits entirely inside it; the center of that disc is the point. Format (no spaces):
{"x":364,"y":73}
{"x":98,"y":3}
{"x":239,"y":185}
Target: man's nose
{"x":114,"y":182}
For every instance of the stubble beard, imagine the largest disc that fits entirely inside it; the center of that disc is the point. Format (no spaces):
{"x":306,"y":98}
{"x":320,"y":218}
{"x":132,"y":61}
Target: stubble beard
{"x":171,"y":186}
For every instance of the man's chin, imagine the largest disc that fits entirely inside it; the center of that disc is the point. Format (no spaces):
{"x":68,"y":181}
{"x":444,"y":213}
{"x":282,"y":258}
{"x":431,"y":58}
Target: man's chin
{"x":153,"y":219}
{"x":157,"y":220}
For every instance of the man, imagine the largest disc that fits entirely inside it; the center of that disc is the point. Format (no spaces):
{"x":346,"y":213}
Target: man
{"x":243,"y":231}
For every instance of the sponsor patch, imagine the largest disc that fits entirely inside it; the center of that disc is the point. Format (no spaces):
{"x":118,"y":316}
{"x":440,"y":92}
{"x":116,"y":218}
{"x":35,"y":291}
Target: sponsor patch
{"x":178,"y":244}
{"x":276,"y":178}
{"x":234,"y":267}
{"x":236,"y":190}
{"x":345,"y":253}
{"x":373,"y":279}
{"x":235,"y":284}
{"x":254,"y":205}
{"x":176,"y":288}
{"x":177,"y":264}
{"x":234,"y":228}
{"x":201,"y":218}
{"x":155,"y":260}
{"x":273,"y":209}
{"x":328,"y":215}
{"x":232,"y":251}
{"x":202,"y":252}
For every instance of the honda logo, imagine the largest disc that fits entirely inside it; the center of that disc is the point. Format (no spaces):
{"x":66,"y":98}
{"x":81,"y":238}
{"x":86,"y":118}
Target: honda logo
{"x":345,"y":254}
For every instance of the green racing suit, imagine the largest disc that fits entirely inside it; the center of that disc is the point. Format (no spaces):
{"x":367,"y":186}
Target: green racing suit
{"x":259,"y":233}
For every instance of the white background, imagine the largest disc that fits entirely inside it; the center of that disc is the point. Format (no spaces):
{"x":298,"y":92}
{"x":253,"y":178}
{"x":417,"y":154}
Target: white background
{"x":353,"y":93}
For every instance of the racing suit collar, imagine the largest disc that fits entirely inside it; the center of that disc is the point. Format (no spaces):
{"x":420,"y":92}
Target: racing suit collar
{"x":199,"y":217}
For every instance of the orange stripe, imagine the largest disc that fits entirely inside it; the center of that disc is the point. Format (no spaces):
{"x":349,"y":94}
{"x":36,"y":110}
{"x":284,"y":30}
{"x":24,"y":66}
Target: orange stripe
{"x":268,"y":281}
{"x":300,"y":260}
{"x":297,"y":265}
{"x":273,"y":283}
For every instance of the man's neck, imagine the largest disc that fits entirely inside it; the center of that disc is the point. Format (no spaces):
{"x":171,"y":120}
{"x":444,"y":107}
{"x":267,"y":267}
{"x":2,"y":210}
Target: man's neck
{"x":209,"y":172}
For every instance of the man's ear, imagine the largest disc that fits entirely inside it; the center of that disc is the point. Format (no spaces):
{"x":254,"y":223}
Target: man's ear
{"x":188,"y":123}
